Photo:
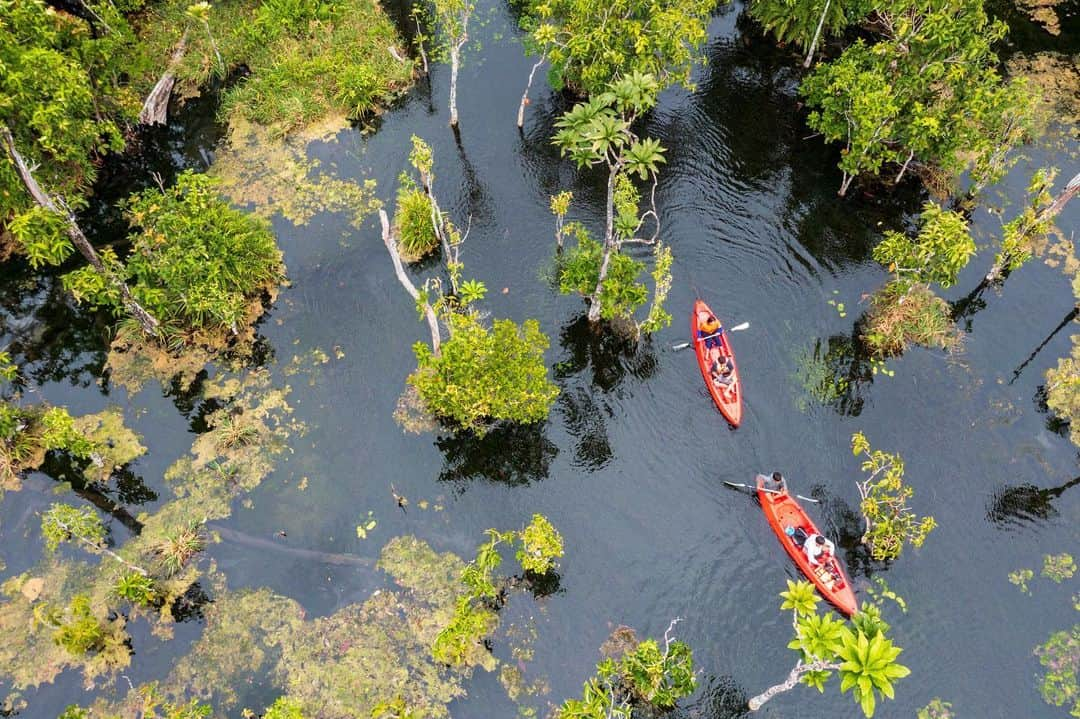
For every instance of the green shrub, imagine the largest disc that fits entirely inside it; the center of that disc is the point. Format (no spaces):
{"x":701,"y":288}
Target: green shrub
{"x":137,"y":588}
{"x":541,"y":545}
{"x":412,"y":223}
{"x":579,"y":269}
{"x":196,"y":263}
{"x":485,"y":375}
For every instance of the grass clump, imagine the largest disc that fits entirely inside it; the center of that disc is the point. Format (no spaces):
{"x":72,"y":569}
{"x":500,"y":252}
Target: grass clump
{"x":902,"y":314}
{"x":412,"y":223}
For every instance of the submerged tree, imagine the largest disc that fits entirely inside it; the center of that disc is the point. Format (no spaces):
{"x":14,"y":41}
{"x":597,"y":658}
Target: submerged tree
{"x":599,"y":133}
{"x":928,"y":94}
{"x":858,"y":650}
{"x":451,"y":19}
{"x":890,"y":522}
{"x":1019,"y":235}
{"x":477,"y":375}
{"x":590,"y":45}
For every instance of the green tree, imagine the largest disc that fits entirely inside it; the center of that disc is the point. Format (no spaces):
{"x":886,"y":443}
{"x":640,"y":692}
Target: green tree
{"x":859,"y":651}
{"x":884,"y":503}
{"x":63,"y":523}
{"x":645,"y":675}
{"x":926,"y":94}
{"x":452,"y":20}
{"x":477,"y":375}
{"x":600,"y":133}
{"x":590,"y":45}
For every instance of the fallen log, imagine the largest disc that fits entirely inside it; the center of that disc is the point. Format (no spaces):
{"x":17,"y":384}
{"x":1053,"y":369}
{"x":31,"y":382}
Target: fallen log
{"x":155,"y":109}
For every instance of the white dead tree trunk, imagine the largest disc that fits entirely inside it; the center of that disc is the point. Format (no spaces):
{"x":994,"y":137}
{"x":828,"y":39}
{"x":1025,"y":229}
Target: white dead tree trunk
{"x":399,"y":270}
{"x":1042,"y":218}
{"x":148,"y":323}
{"x":525,"y":95}
{"x":817,"y":34}
{"x":155,"y":109}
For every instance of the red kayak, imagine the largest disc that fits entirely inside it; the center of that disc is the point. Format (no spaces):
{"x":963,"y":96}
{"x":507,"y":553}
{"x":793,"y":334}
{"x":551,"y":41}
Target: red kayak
{"x":728,"y":397}
{"x":784,"y":513}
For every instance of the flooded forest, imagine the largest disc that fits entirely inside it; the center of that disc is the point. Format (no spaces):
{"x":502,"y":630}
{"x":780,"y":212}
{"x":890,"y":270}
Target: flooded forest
{"x":552,"y":359}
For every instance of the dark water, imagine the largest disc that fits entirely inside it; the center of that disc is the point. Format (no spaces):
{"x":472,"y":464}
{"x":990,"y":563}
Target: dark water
{"x":631,"y":464}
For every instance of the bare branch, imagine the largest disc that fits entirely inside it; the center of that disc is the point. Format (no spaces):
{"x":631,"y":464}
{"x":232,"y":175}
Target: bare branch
{"x":403,"y":278}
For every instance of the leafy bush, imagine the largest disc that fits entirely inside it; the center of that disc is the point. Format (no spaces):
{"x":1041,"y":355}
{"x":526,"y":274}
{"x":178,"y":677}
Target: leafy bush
{"x":284,"y":708}
{"x":196,"y":263}
{"x":579,"y":269}
{"x":590,"y":44}
{"x":412,"y":223}
{"x":136,"y":588}
{"x":937,"y":254}
{"x":541,"y":545}
{"x":485,"y":375}
{"x":78,"y":630}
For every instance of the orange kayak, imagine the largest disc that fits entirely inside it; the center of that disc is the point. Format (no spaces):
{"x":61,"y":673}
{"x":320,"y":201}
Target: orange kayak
{"x":784,"y":512}
{"x":728,"y":398}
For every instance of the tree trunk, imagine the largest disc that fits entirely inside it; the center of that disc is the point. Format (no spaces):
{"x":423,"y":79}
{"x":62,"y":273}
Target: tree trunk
{"x":845,"y":184}
{"x":903,"y":169}
{"x":525,"y":97}
{"x":817,"y":34}
{"x":609,"y":246}
{"x":756,"y":703}
{"x":455,"y":63}
{"x":44,"y":200}
{"x":155,"y":109}
{"x":420,"y":43}
{"x":399,"y":269}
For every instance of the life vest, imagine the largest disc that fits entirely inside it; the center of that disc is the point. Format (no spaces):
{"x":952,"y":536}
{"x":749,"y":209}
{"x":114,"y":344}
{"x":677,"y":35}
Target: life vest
{"x":710,"y":326}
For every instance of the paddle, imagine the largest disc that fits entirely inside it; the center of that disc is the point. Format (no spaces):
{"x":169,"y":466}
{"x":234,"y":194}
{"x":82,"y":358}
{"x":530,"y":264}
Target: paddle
{"x":736,"y":328}
{"x":770,"y":491}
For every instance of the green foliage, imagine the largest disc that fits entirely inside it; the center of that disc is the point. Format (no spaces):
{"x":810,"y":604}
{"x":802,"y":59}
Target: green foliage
{"x":796,"y":21}
{"x":647,"y":675}
{"x":579,"y":271}
{"x":285,"y":708}
{"x":310,"y":60}
{"x":1021,"y":577}
{"x":869,"y":668}
{"x":61,"y":99}
{"x":196,"y":263}
{"x":1060,"y":658}
{"x":1059,"y":567}
{"x":177,"y":546}
{"x":1019,"y":234}
{"x":936,"y":709}
{"x":599,"y":130}
{"x":937,"y":254}
{"x":589,"y":44}
{"x":890,"y":522}
{"x":928,"y":92}
{"x":137,"y":588}
{"x":74,"y":711}
{"x":64,"y":522}
{"x":541,"y":546}
{"x":78,"y":629}
{"x":901,"y":314}
{"x":412,"y":222}
{"x":484,"y":375}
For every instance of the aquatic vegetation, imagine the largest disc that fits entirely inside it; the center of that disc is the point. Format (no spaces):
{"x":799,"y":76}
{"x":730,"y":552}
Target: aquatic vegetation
{"x":901,"y":314}
{"x":1059,"y":567}
{"x":936,"y":254}
{"x":1060,"y":658}
{"x":890,"y":522}
{"x":412,"y":222}
{"x":541,"y":546}
{"x":634,"y":674}
{"x":858,"y":650}
{"x":275,"y":176}
{"x":936,"y":709}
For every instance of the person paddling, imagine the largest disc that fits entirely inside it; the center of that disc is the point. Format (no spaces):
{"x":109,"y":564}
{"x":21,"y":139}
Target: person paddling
{"x":710,"y":332}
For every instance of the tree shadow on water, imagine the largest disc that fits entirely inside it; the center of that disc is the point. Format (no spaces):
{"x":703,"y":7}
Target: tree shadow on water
{"x":717,"y":697}
{"x":512,"y":454}
{"x":1016,"y":505}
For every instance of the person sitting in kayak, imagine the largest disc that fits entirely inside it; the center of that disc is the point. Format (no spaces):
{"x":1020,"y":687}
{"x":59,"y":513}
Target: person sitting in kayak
{"x":776,"y":483}
{"x":722,"y":370}
{"x":818,"y":549}
{"x":710,"y":331}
